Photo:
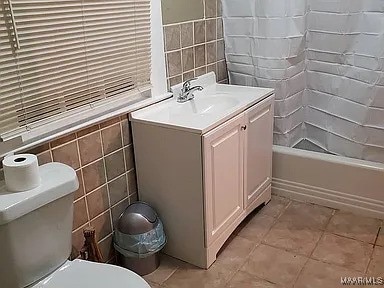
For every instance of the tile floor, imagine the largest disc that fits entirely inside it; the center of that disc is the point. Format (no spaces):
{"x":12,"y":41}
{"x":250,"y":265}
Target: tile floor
{"x":287,"y":244}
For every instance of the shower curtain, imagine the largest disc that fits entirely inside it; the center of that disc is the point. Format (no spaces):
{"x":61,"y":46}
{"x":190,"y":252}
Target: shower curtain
{"x":325,"y":58}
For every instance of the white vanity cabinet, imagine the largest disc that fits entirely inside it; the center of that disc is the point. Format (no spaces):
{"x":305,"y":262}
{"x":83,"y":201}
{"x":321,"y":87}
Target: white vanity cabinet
{"x":237,"y":159}
{"x":203,"y":183}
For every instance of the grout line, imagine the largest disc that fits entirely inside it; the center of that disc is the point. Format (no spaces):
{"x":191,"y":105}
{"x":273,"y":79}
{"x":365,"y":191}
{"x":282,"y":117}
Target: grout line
{"x":106,"y":181}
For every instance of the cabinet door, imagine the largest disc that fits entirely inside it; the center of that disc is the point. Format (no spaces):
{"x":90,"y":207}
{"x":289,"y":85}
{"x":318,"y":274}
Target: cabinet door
{"x":258,"y":149}
{"x":223,"y":176}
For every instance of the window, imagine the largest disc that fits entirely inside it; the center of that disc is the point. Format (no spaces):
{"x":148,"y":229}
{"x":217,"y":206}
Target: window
{"x":63,"y":57}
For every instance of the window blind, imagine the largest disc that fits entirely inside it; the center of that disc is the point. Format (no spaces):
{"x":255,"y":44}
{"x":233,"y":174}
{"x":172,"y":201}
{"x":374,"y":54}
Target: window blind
{"x":56,"y":56}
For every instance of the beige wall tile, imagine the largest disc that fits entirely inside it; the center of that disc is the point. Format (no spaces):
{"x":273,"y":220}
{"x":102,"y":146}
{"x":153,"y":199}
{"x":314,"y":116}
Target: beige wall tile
{"x":187,"y":34}
{"x":132,"y":182}
{"x":44,"y":158}
{"x":219,"y":28}
{"x":210,"y":8}
{"x":129,"y":157}
{"x":79,"y":192}
{"x":200,"y":71}
{"x":219,"y":8}
{"x":112,"y":139}
{"x":199,"y":30}
{"x":80,"y":216}
{"x":106,"y":248}
{"x":102,"y":224}
{"x":118,"y":189}
{"x":63,"y":140}
{"x":114,"y":164}
{"x":189,"y":75}
{"x":220,"y":50}
{"x":211,"y":52}
{"x":90,"y":148}
{"x":126,"y":128}
{"x":175,"y":11}
{"x":211,"y":30}
{"x":87,"y":130}
{"x":94,"y":175}
{"x":67,"y":154}
{"x":174,"y":63}
{"x":221,"y":71}
{"x":211,"y":68}
{"x":175,"y":80}
{"x":97,"y":201}
{"x":188,"y":56}
{"x":77,"y":241}
{"x":39,"y":149}
{"x":109,"y":122}
{"x":200,"y":56}
{"x":172,"y":37}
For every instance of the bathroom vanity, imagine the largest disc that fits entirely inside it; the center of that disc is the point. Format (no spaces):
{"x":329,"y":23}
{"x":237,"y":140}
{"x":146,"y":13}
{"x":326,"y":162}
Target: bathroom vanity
{"x":205,"y":164}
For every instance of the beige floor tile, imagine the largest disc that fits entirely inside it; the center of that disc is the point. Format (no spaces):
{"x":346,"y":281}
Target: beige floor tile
{"x":376,"y":266}
{"x":245,"y":280}
{"x":168,"y":266}
{"x":235,"y":253}
{"x":307,"y":215}
{"x":380,"y":239}
{"x":293,"y":237}
{"x":354,"y":226}
{"x":275,"y":207}
{"x":189,"y":276}
{"x":255,"y":227}
{"x":317,"y":274}
{"x":349,"y":253}
{"x":274,"y":265}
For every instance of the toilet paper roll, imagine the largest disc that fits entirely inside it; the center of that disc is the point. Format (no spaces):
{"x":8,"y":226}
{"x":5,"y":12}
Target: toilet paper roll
{"x":21,"y":172}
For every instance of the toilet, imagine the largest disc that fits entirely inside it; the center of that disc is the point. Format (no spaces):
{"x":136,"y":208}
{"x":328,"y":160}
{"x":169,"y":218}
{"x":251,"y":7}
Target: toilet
{"x":35,"y":239}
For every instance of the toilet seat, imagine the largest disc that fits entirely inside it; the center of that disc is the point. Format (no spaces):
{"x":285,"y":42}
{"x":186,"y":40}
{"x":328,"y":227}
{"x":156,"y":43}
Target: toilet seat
{"x":82,"y":274}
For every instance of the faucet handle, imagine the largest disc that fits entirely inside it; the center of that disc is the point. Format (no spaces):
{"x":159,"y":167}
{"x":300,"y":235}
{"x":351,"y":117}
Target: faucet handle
{"x":187,"y":84}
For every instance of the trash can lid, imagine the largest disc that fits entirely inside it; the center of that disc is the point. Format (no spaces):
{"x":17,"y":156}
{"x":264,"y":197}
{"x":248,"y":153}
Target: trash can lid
{"x":138,"y":218}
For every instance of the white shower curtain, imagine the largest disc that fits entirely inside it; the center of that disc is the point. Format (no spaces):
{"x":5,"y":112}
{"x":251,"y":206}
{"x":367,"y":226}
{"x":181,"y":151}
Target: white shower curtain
{"x":325,"y":58}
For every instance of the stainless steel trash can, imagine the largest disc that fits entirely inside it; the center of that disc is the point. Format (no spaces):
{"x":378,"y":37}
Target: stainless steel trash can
{"x":138,"y":238}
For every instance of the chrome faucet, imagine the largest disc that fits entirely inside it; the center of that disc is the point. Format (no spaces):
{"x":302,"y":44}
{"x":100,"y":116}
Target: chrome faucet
{"x":186,"y":92}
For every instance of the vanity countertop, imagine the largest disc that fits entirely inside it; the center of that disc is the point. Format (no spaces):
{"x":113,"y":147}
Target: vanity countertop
{"x":211,"y":107}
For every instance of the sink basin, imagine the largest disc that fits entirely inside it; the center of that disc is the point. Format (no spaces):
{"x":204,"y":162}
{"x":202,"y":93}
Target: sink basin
{"x":214,"y":105}
{"x":206,"y":105}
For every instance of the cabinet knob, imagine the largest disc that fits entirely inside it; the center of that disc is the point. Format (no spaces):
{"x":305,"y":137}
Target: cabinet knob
{"x":244,"y":127}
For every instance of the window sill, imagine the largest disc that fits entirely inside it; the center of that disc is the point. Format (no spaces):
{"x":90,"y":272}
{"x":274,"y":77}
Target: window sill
{"x":57,"y":129}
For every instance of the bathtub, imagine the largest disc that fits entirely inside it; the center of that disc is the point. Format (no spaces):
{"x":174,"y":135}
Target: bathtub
{"x":329,"y":180}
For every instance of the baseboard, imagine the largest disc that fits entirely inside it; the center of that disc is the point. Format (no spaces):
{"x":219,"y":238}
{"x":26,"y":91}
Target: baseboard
{"x":330,"y":198}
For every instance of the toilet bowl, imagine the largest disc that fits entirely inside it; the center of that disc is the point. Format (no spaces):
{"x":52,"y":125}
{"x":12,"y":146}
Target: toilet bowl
{"x":82,"y":274}
{"x":36,"y":236}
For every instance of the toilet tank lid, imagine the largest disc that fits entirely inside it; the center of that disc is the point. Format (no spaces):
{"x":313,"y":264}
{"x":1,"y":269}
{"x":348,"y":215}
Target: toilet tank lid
{"x":57,"y":180}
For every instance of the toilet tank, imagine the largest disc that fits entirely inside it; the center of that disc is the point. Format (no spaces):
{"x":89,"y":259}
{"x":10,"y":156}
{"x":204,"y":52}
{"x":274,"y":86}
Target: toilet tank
{"x":36,"y":227}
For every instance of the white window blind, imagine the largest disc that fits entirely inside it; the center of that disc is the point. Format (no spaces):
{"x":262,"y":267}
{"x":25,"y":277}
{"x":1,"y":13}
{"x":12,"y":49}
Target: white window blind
{"x":57,"y":56}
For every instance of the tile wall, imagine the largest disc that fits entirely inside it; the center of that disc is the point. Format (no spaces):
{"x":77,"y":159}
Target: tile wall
{"x":102,"y":156}
{"x":196,"y":47}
